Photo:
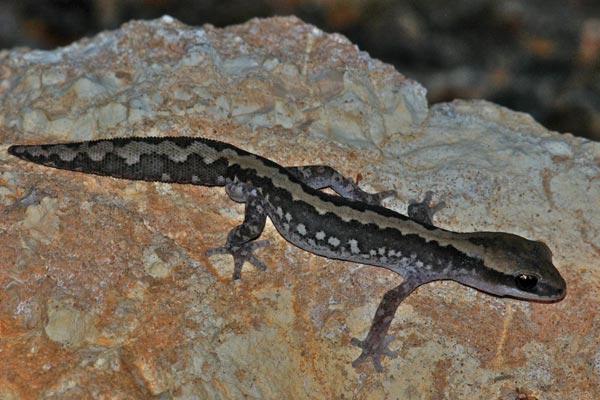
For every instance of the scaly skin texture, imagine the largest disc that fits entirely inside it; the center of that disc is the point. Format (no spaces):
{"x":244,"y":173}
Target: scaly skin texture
{"x":352,"y":226}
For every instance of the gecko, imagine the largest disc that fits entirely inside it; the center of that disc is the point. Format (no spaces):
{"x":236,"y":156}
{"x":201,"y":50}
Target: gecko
{"x":351,"y":225}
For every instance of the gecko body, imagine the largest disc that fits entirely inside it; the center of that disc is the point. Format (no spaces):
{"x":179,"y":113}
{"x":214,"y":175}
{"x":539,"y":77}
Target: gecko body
{"x":351,"y":226}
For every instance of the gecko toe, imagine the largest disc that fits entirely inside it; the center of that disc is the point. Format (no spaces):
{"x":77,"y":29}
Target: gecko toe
{"x":216,"y":250}
{"x":375,"y":352}
{"x":423,"y":211}
{"x":257,"y":263}
{"x":385,"y":350}
{"x":240,"y":255}
{"x":258,"y":244}
{"x":360,"y":359}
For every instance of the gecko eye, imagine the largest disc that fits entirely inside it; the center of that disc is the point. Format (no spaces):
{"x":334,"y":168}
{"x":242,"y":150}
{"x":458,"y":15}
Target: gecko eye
{"x":526,"y":282}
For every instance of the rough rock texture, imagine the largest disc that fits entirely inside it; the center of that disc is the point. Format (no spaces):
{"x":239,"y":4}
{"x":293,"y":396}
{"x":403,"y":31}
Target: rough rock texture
{"x":106,"y":291}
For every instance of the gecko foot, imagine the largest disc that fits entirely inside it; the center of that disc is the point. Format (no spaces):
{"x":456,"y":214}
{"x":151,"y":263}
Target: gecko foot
{"x":422,"y":211}
{"x":373,"y":350}
{"x":240,"y":254}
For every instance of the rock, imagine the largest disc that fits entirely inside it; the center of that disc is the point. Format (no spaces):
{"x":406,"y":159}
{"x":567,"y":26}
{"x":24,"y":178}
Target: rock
{"x":106,"y":288}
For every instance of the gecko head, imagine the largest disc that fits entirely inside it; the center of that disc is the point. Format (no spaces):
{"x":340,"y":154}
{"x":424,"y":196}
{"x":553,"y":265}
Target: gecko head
{"x":510,"y":265}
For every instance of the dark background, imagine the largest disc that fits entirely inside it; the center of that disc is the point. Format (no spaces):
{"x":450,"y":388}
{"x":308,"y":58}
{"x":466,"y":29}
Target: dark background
{"x":537,"y":56}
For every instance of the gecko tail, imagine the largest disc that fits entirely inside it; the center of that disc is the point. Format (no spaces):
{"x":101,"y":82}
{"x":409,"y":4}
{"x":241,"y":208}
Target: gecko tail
{"x":159,"y":159}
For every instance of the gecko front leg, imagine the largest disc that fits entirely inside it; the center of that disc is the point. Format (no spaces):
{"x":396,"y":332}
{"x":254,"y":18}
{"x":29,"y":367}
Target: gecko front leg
{"x":322,"y":176}
{"x":241,"y":240}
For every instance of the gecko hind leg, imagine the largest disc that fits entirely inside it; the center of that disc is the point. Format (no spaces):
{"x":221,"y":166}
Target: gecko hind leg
{"x":322,"y":176}
{"x":241,"y":240}
{"x":375,"y":345}
{"x":422,"y":211}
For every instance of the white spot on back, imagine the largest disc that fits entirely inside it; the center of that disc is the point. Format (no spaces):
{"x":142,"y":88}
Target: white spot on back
{"x":320,"y":235}
{"x":353,"y":246}
{"x":335,"y":242}
{"x":301,"y":228}
{"x":392,"y":253}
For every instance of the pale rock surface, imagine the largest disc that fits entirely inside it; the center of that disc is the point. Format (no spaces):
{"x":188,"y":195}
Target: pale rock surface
{"x":106,"y":291}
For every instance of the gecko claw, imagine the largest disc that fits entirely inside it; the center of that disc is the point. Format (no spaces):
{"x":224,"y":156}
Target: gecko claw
{"x":241,"y":254}
{"x":374,"y":351}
